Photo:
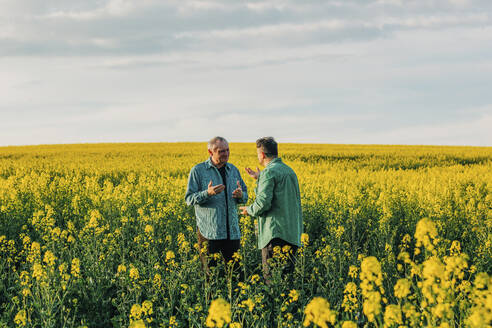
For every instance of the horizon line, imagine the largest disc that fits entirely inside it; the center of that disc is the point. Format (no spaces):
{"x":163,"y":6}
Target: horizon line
{"x":239,"y":142}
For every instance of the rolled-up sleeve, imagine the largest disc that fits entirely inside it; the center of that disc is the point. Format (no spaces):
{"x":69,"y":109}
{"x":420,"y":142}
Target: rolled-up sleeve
{"x":264,"y":195}
{"x":193,"y":194}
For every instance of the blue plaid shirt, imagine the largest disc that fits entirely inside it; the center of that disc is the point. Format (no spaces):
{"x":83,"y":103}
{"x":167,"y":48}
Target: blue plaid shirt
{"x":210,"y":211}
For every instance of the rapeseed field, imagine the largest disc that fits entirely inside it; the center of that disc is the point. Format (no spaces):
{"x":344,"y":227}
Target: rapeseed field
{"x":99,"y":235}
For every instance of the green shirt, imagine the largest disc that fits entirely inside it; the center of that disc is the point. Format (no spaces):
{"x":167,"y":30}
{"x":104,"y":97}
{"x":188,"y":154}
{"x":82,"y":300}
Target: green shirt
{"x":277,"y":205}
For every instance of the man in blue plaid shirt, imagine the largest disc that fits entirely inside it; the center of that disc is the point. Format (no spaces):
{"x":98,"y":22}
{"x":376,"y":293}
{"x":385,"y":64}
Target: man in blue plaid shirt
{"x":215,"y":188}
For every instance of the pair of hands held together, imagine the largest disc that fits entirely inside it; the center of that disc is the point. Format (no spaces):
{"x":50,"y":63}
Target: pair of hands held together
{"x":238,"y":192}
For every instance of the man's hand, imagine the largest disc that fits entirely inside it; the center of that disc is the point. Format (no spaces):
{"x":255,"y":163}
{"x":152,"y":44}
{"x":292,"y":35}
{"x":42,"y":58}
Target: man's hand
{"x":238,"y":192}
{"x":215,"y":190}
{"x":243,"y":210}
{"x":253,"y":174}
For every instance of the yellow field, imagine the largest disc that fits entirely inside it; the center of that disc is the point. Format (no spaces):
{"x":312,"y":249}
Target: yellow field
{"x":99,"y":235}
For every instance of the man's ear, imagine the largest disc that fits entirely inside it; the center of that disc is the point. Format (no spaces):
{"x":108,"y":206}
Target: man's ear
{"x":209,"y":152}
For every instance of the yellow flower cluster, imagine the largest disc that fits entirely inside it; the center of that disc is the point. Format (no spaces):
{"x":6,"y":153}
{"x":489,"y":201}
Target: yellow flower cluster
{"x":141,"y":313}
{"x":371,"y":286}
{"x":21,"y":318}
{"x":350,"y":301}
{"x":184,"y":245}
{"x":392,"y":315}
{"x":75,"y":215}
{"x":134,"y":274}
{"x":349,"y":324}
{"x":293,"y":296}
{"x":318,"y":312}
{"x":170,"y":256}
{"x":370,"y":274}
{"x":249,"y":304}
{"x":481,"y":312}
{"x":137,"y":324}
{"x":304,"y":239}
{"x":426,"y":234}
{"x":219,"y":313}
{"x":75,"y":269}
{"x":402,"y":288}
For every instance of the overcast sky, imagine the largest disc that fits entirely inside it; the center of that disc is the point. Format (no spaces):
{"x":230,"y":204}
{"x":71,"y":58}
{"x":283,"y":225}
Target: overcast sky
{"x":346,"y":71}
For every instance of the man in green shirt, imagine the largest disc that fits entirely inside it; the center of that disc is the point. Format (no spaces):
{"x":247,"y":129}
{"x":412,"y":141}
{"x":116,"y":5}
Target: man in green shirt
{"x":277,"y":205}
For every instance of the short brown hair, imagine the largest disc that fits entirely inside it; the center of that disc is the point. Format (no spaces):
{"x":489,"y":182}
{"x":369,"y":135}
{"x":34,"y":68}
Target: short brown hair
{"x":268,"y":145}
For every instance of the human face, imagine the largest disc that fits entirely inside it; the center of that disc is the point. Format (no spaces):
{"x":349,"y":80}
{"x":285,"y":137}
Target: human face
{"x":219,"y":154}
{"x":261,"y":156}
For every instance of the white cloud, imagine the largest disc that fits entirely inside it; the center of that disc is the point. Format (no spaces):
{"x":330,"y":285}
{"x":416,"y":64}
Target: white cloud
{"x":337,"y":24}
{"x":476,"y":132}
{"x":150,"y":26}
{"x":460,"y":3}
{"x":269,"y":30}
{"x":112,"y":8}
{"x":438,"y":21}
{"x":332,"y":71}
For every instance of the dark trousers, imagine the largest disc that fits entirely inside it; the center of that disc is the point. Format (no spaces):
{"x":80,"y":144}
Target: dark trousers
{"x":226,"y":247}
{"x":267,"y":254}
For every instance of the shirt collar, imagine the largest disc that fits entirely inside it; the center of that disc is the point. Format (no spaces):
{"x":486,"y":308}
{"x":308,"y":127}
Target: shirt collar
{"x":275,"y":160}
{"x":210,"y":164}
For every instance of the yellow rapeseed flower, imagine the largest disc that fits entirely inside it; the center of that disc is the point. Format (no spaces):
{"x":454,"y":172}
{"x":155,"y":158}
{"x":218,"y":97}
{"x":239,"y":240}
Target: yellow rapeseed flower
{"x":137,"y":324}
{"x":75,"y":269}
{"x":392,"y":315}
{"x":49,"y":258}
{"x":62,"y":268}
{"x":169,"y":255}
{"x":370,"y":270}
{"x":249,"y":304}
{"x":456,"y":265}
{"x":304,"y":239}
{"x":26,"y":292}
{"x":24,"y":278}
{"x":35,"y":252}
{"x":294,"y":295}
{"x":121,"y":268}
{"x":149,"y":229}
{"x":349,"y":324}
{"x":38,"y":271}
{"x":434,"y":281}
{"x":135,"y":312}
{"x":402,"y":288}
{"x":353,"y":270}
{"x":442,"y":311}
{"x":255,"y":278}
{"x":134,"y":274}
{"x":157,"y":281}
{"x":411,"y":314}
{"x":426,"y":234}
{"x":318,"y":312}
{"x":455,"y":248}
{"x":21,"y":318}
{"x":219,"y":313}
{"x":372,"y":305}
{"x":350,"y":303}
{"x":147,"y":307}
{"x":481,"y":280}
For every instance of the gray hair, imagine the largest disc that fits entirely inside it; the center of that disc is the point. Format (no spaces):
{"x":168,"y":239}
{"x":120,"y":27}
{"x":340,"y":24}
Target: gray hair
{"x":213,"y":142}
